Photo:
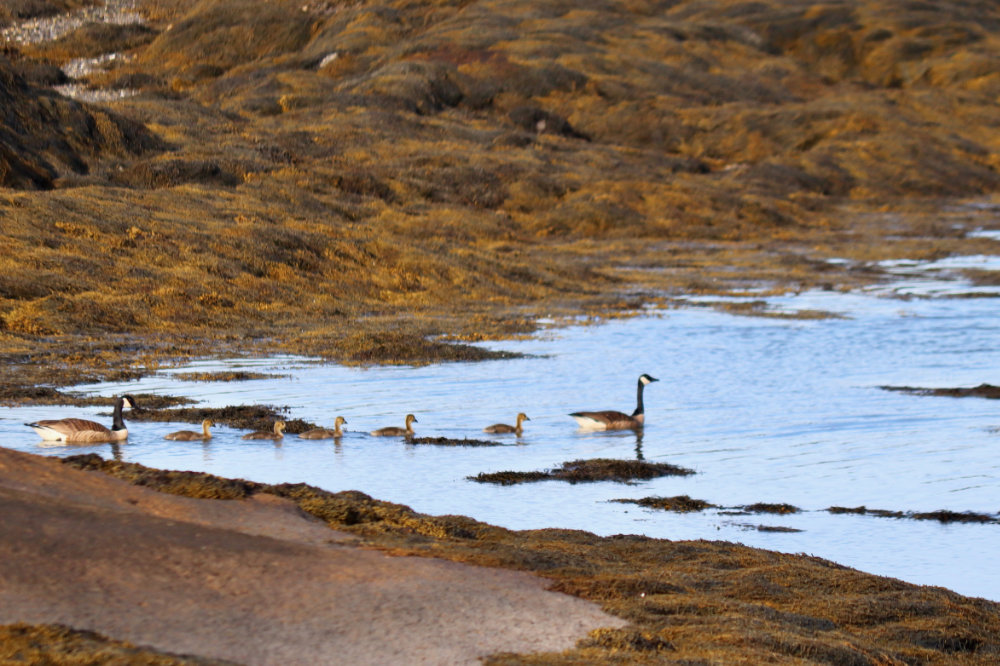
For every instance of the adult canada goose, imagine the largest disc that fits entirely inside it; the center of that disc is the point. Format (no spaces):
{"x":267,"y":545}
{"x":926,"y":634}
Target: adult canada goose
{"x":276,"y":434}
{"x":191,"y":435}
{"x":325,"y":433}
{"x":612,"y":420}
{"x":82,"y":431}
{"x":502,"y":428}
{"x":394,"y":431}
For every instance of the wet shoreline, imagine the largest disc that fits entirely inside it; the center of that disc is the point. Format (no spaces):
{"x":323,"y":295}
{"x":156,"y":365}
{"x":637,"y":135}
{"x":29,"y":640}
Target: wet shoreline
{"x":683,"y":600}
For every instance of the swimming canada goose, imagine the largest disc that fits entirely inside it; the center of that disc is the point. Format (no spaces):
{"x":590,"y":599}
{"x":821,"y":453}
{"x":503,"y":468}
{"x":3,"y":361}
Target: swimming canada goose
{"x":612,"y":420}
{"x":501,"y":428}
{"x":276,"y":434}
{"x":191,"y":435}
{"x":325,"y":433}
{"x":394,"y":431}
{"x":82,"y":431}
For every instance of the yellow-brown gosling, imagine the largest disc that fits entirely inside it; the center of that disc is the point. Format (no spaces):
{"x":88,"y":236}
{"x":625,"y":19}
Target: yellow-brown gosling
{"x":612,"y":420}
{"x":325,"y":433}
{"x":503,"y":428}
{"x":278,"y":433}
{"x":191,"y":435}
{"x":395,"y":431}
{"x":82,"y":431}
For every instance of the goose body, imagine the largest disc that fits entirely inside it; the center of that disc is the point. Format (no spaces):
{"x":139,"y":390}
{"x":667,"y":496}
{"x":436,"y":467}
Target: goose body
{"x":276,"y":434}
{"x":325,"y":433}
{"x":82,"y":431}
{"x":503,"y":428}
{"x":191,"y":435}
{"x":395,"y":431}
{"x":614,"y":420}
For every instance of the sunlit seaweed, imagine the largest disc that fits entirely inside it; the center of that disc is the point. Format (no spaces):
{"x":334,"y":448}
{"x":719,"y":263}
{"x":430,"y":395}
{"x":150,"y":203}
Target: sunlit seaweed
{"x":378,"y":194}
{"x":58,"y":644}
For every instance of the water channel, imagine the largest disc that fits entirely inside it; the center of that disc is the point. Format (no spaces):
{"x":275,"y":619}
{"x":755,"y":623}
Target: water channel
{"x":764,"y":409}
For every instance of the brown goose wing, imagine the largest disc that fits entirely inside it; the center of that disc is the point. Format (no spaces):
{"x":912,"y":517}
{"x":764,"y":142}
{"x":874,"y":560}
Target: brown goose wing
{"x":606,"y":417}
{"x":69,"y":427}
{"x":96,"y":436}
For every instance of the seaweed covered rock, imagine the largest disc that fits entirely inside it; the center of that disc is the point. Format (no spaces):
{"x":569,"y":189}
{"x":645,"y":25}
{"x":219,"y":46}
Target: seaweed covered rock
{"x":44,"y":136}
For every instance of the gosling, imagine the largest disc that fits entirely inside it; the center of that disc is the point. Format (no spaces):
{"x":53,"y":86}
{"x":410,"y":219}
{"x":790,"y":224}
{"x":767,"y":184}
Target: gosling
{"x":191,"y":435}
{"x":395,"y":431}
{"x":277,"y":434}
{"x":325,"y":433}
{"x":503,"y":428}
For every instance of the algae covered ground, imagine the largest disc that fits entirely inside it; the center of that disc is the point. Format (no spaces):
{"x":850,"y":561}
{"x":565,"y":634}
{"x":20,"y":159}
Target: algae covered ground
{"x":366,"y":181}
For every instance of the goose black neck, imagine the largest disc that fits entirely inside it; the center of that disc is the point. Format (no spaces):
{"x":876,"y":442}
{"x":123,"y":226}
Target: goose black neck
{"x":118,"y":423}
{"x":638,"y":400}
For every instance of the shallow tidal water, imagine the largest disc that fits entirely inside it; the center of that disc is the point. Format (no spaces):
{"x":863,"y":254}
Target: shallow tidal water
{"x":763,"y":409}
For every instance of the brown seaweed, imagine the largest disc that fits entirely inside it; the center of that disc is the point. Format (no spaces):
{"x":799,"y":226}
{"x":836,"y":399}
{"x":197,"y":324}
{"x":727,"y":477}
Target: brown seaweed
{"x":585,"y":471}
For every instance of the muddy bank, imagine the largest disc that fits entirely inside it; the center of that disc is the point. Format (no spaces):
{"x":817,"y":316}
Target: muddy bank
{"x":252,"y":581}
{"x":685,"y":601}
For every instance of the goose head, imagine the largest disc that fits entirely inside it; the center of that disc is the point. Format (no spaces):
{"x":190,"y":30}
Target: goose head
{"x":646,"y":379}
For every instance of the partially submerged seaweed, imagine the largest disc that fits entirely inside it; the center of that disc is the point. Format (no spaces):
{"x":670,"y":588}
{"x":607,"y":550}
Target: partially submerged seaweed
{"x":448,"y":441}
{"x":764,"y":507}
{"x":982,"y":391}
{"x":942,"y":515}
{"x":223,"y":376}
{"x":46,"y":395}
{"x":679,"y":504}
{"x":683,"y":503}
{"x":583,"y":471}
